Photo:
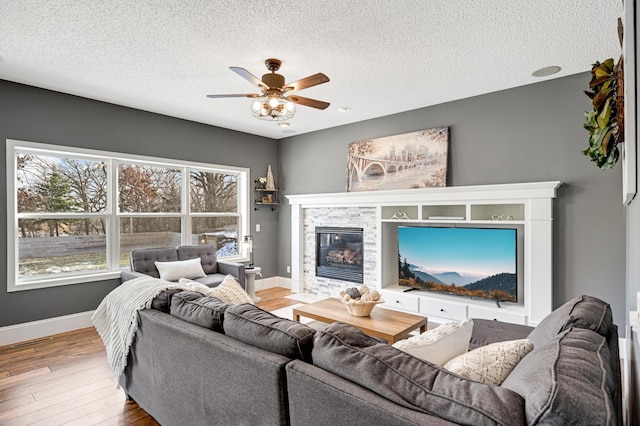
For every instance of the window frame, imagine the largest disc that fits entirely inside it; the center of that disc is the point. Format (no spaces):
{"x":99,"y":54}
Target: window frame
{"x":111,"y":213}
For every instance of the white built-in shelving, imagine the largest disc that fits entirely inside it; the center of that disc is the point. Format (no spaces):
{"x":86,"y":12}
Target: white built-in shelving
{"x":527,"y":207}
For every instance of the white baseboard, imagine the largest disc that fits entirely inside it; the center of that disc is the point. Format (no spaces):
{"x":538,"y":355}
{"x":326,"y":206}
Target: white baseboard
{"x":264,"y":283}
{"x":36,"y":329}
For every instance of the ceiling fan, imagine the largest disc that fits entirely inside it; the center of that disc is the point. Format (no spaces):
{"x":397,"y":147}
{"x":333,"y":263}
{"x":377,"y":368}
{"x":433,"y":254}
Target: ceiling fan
{"x":272,"y":104}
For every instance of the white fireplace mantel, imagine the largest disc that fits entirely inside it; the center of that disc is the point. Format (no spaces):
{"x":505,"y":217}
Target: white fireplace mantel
{"x":444,"y":194}
{"x":529,"y":205}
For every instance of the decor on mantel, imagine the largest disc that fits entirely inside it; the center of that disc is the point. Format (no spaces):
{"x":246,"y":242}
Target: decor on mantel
{"x":400,"y":215}
{"x":406,"y":161}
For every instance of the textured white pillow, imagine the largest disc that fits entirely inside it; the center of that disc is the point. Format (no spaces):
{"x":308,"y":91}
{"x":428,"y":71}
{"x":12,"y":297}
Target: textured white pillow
{"x":172,"y":271}
{"x":440,"y":344}
{"x":228,"y":291}
{"x":491,"y":363}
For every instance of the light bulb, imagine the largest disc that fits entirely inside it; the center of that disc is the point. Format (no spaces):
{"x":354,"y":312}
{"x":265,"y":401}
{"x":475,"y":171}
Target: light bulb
{"x":273,"y":102}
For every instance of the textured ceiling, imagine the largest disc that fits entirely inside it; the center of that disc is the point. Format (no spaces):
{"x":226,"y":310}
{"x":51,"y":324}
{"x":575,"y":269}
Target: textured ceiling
{"x":382,"y":57}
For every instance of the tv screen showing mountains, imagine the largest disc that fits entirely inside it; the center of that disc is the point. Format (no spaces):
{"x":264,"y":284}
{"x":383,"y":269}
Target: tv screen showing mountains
{"x":502,"y":286}
{"x":472,"y":262}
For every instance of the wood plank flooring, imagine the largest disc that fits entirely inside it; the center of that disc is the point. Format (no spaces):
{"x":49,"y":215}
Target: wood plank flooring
{"x":66,"y":380}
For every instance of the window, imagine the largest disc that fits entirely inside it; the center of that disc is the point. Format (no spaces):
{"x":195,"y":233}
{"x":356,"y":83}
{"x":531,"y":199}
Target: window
{"x":74,"y":215}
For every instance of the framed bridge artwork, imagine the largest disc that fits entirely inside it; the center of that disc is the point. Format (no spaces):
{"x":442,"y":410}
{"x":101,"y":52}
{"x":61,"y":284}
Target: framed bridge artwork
{"x":410,"y":160}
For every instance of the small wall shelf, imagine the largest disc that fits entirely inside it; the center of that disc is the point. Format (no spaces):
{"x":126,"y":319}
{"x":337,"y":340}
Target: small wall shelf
{"x":267,"y":197}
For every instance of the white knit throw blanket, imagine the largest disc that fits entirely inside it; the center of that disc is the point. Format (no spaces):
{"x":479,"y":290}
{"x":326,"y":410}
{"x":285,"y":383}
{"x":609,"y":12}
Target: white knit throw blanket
{"x":116,"y":318}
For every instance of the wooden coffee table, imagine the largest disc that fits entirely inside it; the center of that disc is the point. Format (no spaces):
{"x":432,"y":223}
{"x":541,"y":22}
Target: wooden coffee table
{"x":384,"y":323}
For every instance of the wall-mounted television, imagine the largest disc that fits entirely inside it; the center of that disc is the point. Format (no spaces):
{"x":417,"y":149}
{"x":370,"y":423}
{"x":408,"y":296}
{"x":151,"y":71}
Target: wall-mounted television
{"x":472,"y":262}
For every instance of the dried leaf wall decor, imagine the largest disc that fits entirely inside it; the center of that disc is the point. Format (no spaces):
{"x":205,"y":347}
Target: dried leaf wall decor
{"x":605,"y":123}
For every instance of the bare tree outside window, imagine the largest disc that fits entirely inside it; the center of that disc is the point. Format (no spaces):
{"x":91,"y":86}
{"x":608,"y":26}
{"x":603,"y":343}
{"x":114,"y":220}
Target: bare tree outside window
{"x":147,"y":189}
{"x":215,"y":193}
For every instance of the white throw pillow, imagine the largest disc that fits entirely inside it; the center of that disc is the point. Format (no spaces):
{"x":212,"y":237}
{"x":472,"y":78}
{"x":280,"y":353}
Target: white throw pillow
{"x":491,"y":363}
{"x":440,"y":344}
{"x":172,"y":271}
{"x":229,"y":290}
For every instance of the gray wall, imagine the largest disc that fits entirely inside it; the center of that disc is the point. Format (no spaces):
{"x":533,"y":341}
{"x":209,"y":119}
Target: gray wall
{"x":526,"y":134}
{"x":37,"y":115}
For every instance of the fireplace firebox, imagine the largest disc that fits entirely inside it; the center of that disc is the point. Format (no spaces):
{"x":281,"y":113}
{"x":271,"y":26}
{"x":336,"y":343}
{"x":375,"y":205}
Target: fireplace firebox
{"x":339,"y":253}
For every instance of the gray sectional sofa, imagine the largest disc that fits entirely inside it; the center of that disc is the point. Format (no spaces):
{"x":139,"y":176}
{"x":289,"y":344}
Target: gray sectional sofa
{"x":142,"y":263}
{"x":198,"y":361}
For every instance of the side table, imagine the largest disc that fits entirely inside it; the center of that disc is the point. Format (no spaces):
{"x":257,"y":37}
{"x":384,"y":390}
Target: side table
{"x":251,"y":281}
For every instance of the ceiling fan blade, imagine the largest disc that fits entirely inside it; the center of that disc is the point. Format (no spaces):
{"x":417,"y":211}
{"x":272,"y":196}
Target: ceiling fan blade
{"x":313,"y":103}
{"x":304,"y":83}
{"x":237,"y":95}
{"x":249,"y":77}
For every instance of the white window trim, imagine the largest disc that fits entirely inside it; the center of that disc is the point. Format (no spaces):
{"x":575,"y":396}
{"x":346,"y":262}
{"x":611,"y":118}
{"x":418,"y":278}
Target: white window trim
{"x":113,"y":243}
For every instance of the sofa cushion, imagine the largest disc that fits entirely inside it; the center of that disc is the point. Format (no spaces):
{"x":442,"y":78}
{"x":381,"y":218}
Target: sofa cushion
{"x":567,"y":380}
{"x":195,"y":308}
{"x":211,"y":280}
{"x":173,"y":271}
{"x":440,"y":344}
{"x":162,"y":301}
{"x":492,"y":363}
{"x":143,"y":260}
{"x":492,"y":331}
{"x":347,"y":352}
{"x":585,"y":312}
{"x":262,"y":329}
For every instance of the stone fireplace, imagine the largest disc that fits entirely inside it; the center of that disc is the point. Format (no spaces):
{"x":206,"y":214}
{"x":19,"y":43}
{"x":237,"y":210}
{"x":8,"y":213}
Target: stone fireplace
{"x":345,"y":221}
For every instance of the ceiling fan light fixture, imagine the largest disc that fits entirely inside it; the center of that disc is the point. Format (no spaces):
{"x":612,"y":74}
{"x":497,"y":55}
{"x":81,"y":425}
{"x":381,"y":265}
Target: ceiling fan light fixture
{"x":273,"y":108}
{"x":272,"y":105}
